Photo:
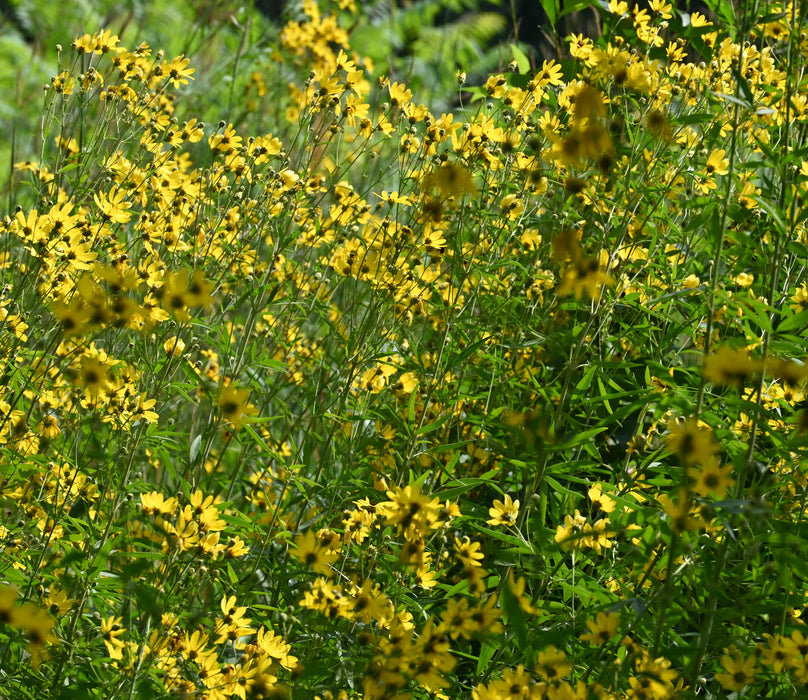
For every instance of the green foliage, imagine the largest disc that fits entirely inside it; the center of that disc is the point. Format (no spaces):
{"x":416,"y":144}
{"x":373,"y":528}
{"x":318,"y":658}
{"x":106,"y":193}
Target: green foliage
{"x":326,"y":373}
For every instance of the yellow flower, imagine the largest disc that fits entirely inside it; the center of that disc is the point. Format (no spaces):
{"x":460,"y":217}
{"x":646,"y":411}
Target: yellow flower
{"x":517,"y":586}
{"x":143,"y":409}
{"x":234,"y":624}
{"x":177,"y":71}
{"x":113,"y":207}
{"x":744,"y":279}
{"x":570,"y":534}
{"x":599,"y":500}
{"x":693,"y":441}
{"x":552,"y":664}
{"x":550,"y":74}
{"x":740,"y":672}
{"x":452,"y":179}
{"x":38,"y":627}
{"x":699,"y":20}
{"x":309,"y":550}
{"x":662,"y":8}
{"x":717,"y":164}
{"x":178,"y":293}
{"x":602,"y":629}
{"x":730,"y":366}
{"x":468,"y":552}
{"x":503,"y":513}
{"x":110,"y":631}
{"x":585,"y":276}
{"x":174,"y":346}
{"x":512,"y":206}
{"x":8,"y":599}
{"x":711,"y":478}
{"x":276,"y":647}
{"x":235,"y":407}
{"x":399,"y":94}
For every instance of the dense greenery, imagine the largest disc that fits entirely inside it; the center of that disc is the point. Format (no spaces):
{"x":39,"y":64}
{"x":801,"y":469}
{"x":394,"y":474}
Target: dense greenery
{"x":335,"y":370}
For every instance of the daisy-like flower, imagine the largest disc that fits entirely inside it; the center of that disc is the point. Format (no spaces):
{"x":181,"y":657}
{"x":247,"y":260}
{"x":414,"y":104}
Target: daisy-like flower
{"x":309,"y":550}
{"x":602,"y":629}
{"x":740,"y":672}
{"x":717,"y":163}
{"x":503,"y":512}
{"x":110,"y":631}
{"x":233,"y":624}
{"x":235,"y":407}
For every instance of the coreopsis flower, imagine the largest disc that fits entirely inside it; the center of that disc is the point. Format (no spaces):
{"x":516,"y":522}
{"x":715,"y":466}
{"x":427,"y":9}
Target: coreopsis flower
{"x":235,"y":407}
{"x":57,"y":601}
{"x":38,"y":628}
{"x":174,"y":346}
{"x":415,"y":514}
{"x":585,"y":277}
{"x":178,"y":72}
{"x":699,"y":20}
{"x":468,"y":552}
{"x":662,"y":8}
{"x":717,"y":163}
{"x":601,"y":629}
{"x":368,"y":602}
{"x":599,"y":500}
{"x":679,"y":511}
{"x":740,"y":671}
{"x":452,"y":179}
{"x":550,"y":74}
{"x":596,"y":536}
{"x":111,"y":630}
{"x":495,"y":86}
{"x":142,"y":409}
{"x":730,"y":366}
{"x":800,"y":298}
{"x":154,"y":503}
{"x":178,"y":293}
{"x":374,"y":379}
{"x":114,"y":208}
{"x":552,"y":664}
{"x":30,"y":227}
{"x":711,"y":479}
{"x":399,"y":94}
{"x":512,"y":206}
{"x":181,"y":536}
{"x":8,"y":600}
{"x":235,"y":547}
{"x":776,"y":653}
{"x":234,"y":623}
{"x":503,"y":512}
{"x":694,"y":442}
{"x":580,"y":46}
{"x":309,"y":550}
{"x":327,"y":597}
{"x":93,"y":376}
{"x":276,"y":647}
{"x":226,"y":142}
{"x":570,"y":534}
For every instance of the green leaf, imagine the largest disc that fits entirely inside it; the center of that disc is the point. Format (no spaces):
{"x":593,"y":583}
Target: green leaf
{"x":551,"y":7}
{"x":520,"y":545}
{"x":461,"y":486}
{"x":193,"y":452}
{"x":487,"y":652}
{"x":522,"y":62}
{"x":515,"y":618}
{"x":576,"y":6}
